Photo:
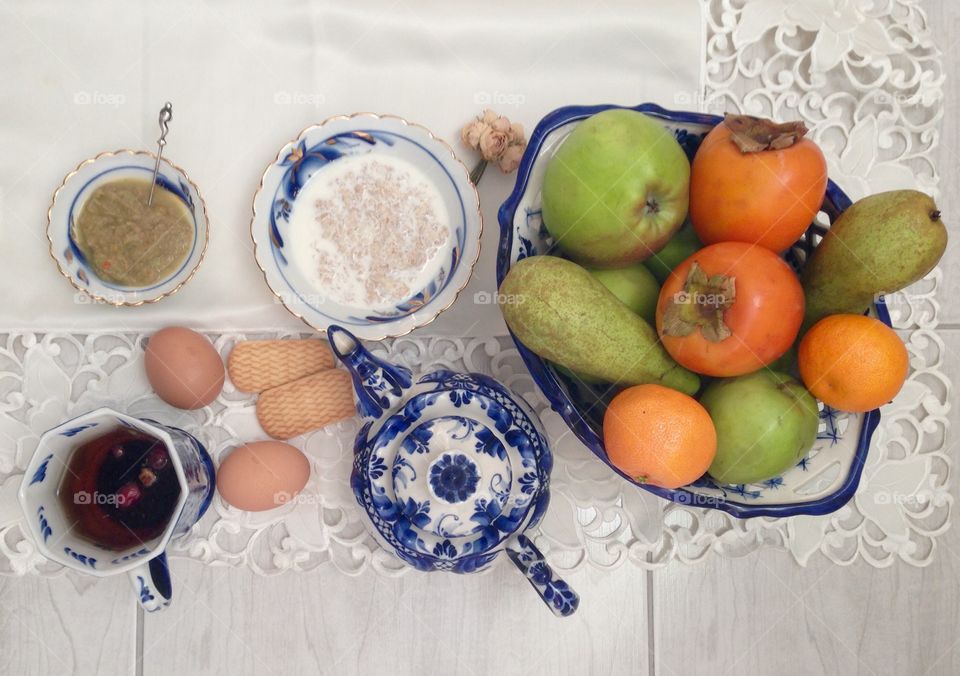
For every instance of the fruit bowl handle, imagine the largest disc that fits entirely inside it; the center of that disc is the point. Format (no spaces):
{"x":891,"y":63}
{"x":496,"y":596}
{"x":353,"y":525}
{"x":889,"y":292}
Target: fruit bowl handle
{"x":151,"y":581}
{"x":556,"y":593}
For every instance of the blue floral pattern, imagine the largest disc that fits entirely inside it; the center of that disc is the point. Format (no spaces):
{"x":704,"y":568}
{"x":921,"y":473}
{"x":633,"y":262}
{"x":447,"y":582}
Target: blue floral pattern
{"x":445,"y":550}
{"x":130,"y":557}
{"x":556,"y":593}
{"x":74,"y":431}
{"x":377,"y":467}
{"x":470,"y":470}
{"x":145,"y":595}
{"x":460,"y":397}
{"x":828,"y":416}
{"x":491,"y":522}
{"x":453,"y":477}
{"x":41,"y":473}
{"x":82,"y":558}
{"x":418,"y":441}
{"x":488,"y":444}
{"x":417,"y":512}
{"x":45,"y":529}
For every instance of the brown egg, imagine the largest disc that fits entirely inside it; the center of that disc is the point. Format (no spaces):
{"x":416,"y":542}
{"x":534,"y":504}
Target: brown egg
{"x":262,"y":475}
{"x":183,"y":368}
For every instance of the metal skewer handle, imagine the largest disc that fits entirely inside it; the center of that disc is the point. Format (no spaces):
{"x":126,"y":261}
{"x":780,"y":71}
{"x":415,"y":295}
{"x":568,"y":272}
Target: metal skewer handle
{"x":166,"y":114}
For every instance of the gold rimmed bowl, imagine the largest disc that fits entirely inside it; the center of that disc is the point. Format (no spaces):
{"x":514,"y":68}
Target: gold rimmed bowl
{"x":70,"y":198}
{"x":326,"y":146}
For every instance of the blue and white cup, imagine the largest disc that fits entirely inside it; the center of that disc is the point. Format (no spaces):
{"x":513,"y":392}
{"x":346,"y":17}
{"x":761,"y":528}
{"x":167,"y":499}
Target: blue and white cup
{"x":146,"y":563}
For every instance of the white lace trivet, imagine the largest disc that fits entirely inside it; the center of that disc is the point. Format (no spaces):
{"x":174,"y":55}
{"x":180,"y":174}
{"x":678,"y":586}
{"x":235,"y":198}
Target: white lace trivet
{"x":595,"y":518}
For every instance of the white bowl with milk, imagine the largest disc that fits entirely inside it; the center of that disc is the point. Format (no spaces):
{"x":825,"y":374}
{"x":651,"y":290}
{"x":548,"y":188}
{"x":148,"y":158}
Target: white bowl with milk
{"x":369,"y":222}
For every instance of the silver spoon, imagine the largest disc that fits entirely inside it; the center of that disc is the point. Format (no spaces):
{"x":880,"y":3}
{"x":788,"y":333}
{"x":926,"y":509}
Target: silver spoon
{"x":166,"y":114}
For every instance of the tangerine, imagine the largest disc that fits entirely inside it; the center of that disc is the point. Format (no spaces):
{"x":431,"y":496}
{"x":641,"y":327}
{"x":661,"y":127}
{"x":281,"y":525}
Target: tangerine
{"x":659,"y":436}
{"x":852,"y":362}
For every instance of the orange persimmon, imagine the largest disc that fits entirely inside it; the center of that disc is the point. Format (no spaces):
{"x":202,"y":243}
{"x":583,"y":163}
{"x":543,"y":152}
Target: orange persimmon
{"x":756,"y":181}
{"x":729,"y":309}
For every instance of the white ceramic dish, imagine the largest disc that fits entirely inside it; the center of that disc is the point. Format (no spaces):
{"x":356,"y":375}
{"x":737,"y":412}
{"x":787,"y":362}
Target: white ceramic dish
{"x":318,"y":147}
{"x":69,"y":199}
{"x":822,"y":482}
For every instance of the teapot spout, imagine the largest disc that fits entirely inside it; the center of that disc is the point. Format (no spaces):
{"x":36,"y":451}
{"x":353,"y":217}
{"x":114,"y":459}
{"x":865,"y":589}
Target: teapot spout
{"x":379,"y":385}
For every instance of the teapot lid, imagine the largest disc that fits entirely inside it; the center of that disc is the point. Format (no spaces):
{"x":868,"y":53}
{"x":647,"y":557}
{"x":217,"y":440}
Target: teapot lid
{"x":454,"y":472}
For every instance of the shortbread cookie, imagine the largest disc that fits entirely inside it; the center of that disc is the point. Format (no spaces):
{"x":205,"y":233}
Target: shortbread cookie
{"x":258,"y":365}
{"x":307,"y":404}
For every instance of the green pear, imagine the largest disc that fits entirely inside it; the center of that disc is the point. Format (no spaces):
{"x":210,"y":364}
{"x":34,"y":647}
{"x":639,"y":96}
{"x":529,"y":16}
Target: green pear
{"x":616,"y":190}
{"x":564,"y":314}
{"x":635,"y":287}
{"x":880,"y":244}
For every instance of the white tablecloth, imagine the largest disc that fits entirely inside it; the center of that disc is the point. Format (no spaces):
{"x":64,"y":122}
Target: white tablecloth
{"x":245,"y":78}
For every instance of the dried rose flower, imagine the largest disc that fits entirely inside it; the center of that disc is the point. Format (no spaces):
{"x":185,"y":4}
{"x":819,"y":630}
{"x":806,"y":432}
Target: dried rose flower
{"x":471,"y":132}
{"x":489,"y":116}
{"x":501,"y":124}
{"x":510,"y":159}
{"x":497,"y":138}
{"x":492,"y":144}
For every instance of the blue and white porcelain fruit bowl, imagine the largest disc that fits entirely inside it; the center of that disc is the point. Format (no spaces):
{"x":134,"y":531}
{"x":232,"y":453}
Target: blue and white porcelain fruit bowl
{"x":821,"y":482}
{"x":69,"y":199}
{"x":452,"y":469}
{"x":324,"y":148}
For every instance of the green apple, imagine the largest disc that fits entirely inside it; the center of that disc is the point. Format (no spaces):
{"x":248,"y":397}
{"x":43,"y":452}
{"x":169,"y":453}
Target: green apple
{"x":616,"y":190}
{"x":634,"y":286}
{"x":680,"y":247}
{"x":766,"y":422}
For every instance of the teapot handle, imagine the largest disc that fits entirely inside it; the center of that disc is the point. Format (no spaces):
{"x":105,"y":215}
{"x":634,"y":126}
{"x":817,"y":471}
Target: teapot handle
{"x":561,"y":599}
{"x":151,"y":581}
{"x":378,"y":385}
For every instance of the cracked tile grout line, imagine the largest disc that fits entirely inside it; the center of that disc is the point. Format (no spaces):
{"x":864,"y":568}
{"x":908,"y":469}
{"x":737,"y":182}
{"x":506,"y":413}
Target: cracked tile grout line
{"x":651,"y":632}
{"x":138,"y":641}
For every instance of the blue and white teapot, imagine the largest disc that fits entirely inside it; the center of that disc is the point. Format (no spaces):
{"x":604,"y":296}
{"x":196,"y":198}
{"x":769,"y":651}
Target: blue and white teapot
{"x":451,"y":469}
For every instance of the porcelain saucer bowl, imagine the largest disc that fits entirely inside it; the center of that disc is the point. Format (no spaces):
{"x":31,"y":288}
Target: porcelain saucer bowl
{"x":315,"y":149}
{"x":68,"y":202}
{"x":821,"y":482}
